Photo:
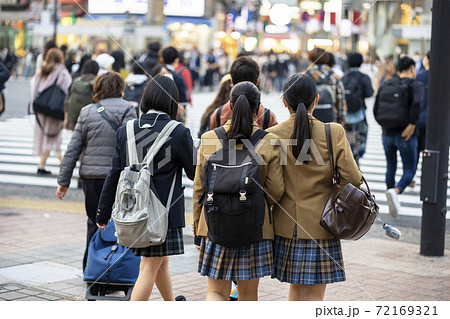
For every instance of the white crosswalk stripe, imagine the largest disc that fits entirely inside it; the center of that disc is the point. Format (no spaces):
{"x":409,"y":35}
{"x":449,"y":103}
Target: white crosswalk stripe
{"x":18,"y":165}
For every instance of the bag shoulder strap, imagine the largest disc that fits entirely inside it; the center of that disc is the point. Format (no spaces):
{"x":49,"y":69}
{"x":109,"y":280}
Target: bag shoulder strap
{"x":159,"y":142}
{"x":221,"y":135}
{"x":257,"y":136}
{"x":266,"y":119}
{"x":131,"y":142}
{"x":102,"y":112}
{"x":334,"y":174}
{"x":219,"y":112}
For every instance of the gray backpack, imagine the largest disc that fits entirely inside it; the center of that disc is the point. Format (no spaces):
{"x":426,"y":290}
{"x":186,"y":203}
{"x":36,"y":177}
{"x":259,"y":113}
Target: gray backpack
{"x":140,"y":218}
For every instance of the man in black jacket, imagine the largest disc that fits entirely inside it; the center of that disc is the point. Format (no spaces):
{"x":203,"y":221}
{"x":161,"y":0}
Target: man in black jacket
{"x":396,"y":109}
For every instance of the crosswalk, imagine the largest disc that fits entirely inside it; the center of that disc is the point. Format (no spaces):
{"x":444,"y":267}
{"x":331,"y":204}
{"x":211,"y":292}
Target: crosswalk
{"x":18,"y":166}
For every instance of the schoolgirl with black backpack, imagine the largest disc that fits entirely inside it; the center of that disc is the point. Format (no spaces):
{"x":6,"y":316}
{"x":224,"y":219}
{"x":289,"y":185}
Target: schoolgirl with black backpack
{"x":238,"y":177}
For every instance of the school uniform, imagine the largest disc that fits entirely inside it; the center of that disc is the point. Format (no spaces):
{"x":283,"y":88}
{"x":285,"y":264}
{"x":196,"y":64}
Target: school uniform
{"x":305,"y":253}
{"x":180,"y":148}
{"x":251,"y":261}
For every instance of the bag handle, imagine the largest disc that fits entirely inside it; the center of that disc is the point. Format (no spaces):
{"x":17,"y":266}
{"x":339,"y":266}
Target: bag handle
{"x":334,"y":173}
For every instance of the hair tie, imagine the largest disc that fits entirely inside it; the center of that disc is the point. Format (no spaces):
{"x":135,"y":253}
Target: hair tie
{"x":300,"y":104}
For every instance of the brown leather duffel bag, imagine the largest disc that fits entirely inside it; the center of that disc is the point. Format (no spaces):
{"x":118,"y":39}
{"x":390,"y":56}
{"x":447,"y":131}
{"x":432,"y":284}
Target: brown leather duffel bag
{"x":350,"y":211}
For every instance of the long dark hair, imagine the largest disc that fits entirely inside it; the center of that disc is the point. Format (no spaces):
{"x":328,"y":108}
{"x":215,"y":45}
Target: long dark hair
{"x":299,"y":93}
{"x":161,"y":94}
{"x":222,"y":97}
{"x":245,"y":99}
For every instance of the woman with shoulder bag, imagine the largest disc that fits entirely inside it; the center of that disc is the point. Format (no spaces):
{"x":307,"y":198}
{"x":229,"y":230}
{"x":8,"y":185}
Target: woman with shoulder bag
{"x":306,"y":255}
{"x":47,"y":130}
{"x":95,"y":134}
{"x":245,"y":263}
{"x":158,"y":106}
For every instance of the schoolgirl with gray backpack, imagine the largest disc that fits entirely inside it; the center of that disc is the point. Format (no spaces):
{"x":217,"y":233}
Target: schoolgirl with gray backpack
{"x":141,"y":219}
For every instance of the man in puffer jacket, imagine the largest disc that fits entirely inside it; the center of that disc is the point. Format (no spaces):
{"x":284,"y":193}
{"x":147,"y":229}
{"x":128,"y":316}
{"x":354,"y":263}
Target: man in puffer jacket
{"x":95,"y":133}
{"x":135,"y":85}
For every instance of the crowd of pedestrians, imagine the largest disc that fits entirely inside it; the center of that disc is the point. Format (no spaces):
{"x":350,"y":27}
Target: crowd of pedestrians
{"x":289,"y":244}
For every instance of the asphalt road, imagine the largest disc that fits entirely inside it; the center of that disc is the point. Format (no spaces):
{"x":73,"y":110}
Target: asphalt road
{"x":17,"y":97}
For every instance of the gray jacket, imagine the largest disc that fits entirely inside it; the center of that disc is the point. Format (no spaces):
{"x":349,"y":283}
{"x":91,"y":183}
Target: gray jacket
{"x":95,"y":136}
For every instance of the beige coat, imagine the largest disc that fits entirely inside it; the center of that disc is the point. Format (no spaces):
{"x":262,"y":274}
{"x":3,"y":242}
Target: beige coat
{"x":271,"y":177}
{"x":309,"y":186}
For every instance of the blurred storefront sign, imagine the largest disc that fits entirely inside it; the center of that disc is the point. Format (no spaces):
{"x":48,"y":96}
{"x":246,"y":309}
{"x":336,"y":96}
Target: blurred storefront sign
{"x":117,"y":6}
{"x":186,"y":8}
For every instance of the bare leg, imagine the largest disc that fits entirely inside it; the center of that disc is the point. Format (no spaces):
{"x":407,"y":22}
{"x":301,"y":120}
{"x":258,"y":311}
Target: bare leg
{"x":44,"y":157}
{"x":248,"y":290}
{"x":218,"y":290}
{"x":60,"y":157}
{"x":307,"y":292}
{"x":147,"y":275}
{"x":164,"y":281}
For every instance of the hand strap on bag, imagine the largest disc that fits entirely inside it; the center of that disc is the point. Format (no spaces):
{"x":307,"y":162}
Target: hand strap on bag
{"x":50,"y":135}
{"x":334,"y":173}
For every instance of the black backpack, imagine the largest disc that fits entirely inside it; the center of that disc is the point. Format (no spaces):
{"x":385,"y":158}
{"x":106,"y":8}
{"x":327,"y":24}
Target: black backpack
{"x":266,"y":121}
{"x":324,"y":111}
{"x":392,"y":101}
{"x":353,"y":91}
{"x":234,"y":200}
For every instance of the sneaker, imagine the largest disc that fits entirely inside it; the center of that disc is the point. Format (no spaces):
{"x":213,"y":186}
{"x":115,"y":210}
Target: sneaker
{"x":180,"y":298}
{"x":412,"y":184}
{"x":394,"y":204}
{"x":42,"y":171}
{"x":234,"y":294}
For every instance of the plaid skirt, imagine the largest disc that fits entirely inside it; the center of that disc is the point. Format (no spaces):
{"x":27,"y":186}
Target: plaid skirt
{"x":307,"y":261}
{"x":173,"y":245}
{"x":244,"y":263}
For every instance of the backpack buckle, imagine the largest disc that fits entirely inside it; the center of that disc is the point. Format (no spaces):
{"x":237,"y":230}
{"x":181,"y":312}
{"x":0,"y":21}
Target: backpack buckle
{"x":209,"y":199}
{"x":242,"y":197}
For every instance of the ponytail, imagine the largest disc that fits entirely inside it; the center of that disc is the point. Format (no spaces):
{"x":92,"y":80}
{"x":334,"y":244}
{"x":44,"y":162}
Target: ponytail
{"x":244,"y":100}
{"x":242,"y":120}
{"x":302,"y":129}
{"x":299,"y":93}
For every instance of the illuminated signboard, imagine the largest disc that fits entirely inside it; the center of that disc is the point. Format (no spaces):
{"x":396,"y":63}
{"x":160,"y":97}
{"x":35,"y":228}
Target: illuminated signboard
{"x":118,"y":6}
{"x":185,"y":8}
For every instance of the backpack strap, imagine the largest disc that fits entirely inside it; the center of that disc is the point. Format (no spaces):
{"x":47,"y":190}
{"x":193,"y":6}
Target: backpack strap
{"x":131,"y":142}
{"x":159,"y":142}
{"x":257,"y":136}
{"x":102,"y":112}
{"x":219,"y":112}
{"x":221,"y":135}
{"x":266,"y":119}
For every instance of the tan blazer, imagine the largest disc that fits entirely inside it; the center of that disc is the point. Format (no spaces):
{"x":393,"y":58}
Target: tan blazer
{"x":308,"y":186}
{"x":271,"y":177}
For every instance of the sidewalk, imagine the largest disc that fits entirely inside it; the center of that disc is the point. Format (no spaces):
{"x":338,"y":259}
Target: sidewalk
{"x":42,"y":243}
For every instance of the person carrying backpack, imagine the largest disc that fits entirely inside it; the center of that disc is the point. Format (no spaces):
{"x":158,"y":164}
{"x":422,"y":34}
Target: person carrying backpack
{"x":332,"y":106}
{"x":159,"y":109}
{"x":306,"y":255}
{"x":95,"y":134}
{"x":396,"y":109}
{"x":81,"y":93}
{"x":238,"y":177}
{"x":243,"y":69}
{"x":358,"y":87}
